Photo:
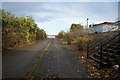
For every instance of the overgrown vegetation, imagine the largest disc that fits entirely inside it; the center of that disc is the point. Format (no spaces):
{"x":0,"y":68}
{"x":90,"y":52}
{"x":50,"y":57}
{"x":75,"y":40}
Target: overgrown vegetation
{"x":76,"y":36}
{"x":19,"y":30}
{"x":77,"y":39}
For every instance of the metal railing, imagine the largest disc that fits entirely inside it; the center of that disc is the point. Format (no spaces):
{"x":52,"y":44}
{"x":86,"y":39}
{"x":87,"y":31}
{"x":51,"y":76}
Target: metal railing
{"x":104,"y":45}
{"x":94,"y":45}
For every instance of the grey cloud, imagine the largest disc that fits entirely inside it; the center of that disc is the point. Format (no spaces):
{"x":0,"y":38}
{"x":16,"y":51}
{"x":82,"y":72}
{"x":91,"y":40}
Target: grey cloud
{"x":44,"y":19}
{"x":93,"y":10}
{"x":29,"y":9}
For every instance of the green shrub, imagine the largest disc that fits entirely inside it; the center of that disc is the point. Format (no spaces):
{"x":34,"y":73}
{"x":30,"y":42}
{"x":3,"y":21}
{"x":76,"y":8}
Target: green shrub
{"x":19,"y":30}
{"x":81,"y":43}
{"x":68,"y":37}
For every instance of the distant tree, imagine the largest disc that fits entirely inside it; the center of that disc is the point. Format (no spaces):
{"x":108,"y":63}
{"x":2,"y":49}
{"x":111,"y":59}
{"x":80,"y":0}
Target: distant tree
{"x":75,"y":27}
{"x":61,"y":34}
{"x":76,"y":36}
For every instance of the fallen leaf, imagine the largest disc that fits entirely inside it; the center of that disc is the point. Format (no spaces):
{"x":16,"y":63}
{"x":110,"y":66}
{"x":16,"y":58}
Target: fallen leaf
{"x":78,"y":70}
{"x":48,"y":69}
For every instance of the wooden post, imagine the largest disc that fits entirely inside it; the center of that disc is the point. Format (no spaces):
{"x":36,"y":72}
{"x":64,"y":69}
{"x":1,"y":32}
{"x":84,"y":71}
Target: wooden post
{"x":87,"y":49}
{"x":101,"y":56}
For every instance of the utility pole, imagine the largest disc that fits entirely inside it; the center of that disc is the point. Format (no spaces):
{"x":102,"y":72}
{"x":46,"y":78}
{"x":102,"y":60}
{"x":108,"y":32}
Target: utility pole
{"x":119,"y":21}
{"x":87,"y":23}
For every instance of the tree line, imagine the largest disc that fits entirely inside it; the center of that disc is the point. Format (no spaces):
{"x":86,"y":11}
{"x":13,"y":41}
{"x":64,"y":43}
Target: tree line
{"x":19,"y":30}
{"x":75,"y":36}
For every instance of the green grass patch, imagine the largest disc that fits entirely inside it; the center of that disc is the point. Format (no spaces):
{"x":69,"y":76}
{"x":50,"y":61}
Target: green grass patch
{"x":38,"y":74}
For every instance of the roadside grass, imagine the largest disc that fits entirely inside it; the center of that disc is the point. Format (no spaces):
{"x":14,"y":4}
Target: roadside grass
{"x":36,"y":74}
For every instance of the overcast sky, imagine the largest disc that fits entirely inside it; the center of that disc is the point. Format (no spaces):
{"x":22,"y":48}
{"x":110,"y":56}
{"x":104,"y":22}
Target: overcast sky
{"x":60,"y":0}
{"x":56,"y":16}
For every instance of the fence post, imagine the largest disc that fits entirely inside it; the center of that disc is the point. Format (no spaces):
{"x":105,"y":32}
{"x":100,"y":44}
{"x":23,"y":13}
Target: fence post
{"x":118,"y":33}
{"x":88,"y":49}
{"x":101,"y":56}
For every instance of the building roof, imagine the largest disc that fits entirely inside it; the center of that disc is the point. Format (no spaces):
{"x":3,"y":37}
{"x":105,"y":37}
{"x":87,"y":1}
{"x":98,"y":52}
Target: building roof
{"x":104,"y":23}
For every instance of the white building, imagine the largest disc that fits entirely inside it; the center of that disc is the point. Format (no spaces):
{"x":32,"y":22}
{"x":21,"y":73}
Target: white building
{"x":51,"y":36}
{"x":103,"y":27}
